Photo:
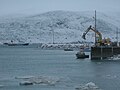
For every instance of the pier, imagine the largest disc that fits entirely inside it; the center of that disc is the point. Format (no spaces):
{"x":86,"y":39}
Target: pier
{"x":102,"y":52}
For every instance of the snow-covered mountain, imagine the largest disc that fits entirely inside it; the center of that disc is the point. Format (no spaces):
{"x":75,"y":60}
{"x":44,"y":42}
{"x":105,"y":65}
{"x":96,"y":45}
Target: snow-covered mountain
{"x":63,"y":26}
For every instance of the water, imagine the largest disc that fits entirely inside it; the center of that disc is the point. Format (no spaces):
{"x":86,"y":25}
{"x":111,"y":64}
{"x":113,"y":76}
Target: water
{"x":66,"y":71}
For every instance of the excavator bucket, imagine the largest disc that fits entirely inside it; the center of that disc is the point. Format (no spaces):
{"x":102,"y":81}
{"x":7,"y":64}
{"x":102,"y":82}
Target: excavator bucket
{"x":83,"y":36}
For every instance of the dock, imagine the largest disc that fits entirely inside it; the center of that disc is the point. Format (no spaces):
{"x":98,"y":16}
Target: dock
{"x":103,"y":52}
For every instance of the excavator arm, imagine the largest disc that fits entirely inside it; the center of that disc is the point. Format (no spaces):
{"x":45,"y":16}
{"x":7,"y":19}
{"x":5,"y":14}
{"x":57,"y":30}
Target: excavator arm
{"x":84,"y":34}
{"x":97,"y":32}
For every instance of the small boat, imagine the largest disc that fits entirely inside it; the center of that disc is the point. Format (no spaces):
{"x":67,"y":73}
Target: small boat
{"x":81,"y":55}
{"x":25,"y":44}
{"x":12,"y":43}
{"x":68,"y":49}
{"x":16,"y":44}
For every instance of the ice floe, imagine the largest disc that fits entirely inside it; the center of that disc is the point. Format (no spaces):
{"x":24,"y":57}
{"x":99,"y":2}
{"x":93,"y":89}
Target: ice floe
{"x":88,"y":86}
{"x":110,"y":76}
{"x":44,"y":80}
{"x":26,"y":83}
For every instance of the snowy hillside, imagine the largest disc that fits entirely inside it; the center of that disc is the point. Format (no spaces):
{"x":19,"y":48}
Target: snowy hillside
{"x":63,"y":26}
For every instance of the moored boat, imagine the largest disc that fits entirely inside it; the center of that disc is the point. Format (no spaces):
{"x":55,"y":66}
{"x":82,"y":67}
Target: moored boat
{"x":81,"y":55}
{"x":68,"y":49}
{"x":16,"y":44}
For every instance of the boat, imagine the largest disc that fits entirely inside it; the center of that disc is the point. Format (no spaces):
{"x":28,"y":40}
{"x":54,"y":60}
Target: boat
{"x":12,"y":43}
{"x":68,"y":49}
{"x":25,"y":44}
{"x":16,"y":44}
{"x":81,"y":55}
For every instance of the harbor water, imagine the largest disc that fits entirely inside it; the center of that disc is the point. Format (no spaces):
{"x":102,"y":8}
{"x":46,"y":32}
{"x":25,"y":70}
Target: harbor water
{"x":59,"y":70}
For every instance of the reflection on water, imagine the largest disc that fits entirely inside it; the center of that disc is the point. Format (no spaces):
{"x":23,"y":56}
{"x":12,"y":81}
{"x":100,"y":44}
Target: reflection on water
{"x":62,"y":69}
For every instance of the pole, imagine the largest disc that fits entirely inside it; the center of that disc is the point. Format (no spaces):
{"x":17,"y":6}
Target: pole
{"x":117,"y":37}
{"x":95,"y":27}
{"x":53,"y":36}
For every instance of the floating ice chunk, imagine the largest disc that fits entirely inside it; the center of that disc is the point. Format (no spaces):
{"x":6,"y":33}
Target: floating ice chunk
{"x":110,"y":76}
{"x":88,"y":86}
{"x":91,"y":85}
{"x":26,"y":83}
{"x":115,"y":57}
{"x":46,"y":80}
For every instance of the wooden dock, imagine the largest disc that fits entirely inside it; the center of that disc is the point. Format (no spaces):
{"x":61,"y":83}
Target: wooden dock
{"x":103,"y":52}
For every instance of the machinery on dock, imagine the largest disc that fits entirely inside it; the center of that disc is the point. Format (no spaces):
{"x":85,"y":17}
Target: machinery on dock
{"x":103,"y":48}
{"x":98,"y":37}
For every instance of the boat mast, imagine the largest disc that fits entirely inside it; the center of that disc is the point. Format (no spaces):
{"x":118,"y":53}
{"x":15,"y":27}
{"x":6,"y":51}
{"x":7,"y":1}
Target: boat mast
{"x":117,"y":37}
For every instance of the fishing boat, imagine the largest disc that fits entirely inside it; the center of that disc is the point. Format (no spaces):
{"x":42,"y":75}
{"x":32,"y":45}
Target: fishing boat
{"x":68,"y":49}
{"x":81,"y":55}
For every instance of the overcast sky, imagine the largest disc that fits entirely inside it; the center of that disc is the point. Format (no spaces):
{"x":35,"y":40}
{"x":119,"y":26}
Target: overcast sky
{"x":39,"y":6}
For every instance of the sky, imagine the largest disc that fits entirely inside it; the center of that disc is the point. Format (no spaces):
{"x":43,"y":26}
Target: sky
{"x":8,"y":7}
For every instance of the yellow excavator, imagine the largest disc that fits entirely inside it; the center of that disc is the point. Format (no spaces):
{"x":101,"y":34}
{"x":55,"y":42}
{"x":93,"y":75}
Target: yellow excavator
{"x":98,"y":37}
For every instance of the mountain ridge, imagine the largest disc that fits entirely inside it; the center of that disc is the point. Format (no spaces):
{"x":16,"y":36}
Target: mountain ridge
{"x":64,"y":26}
